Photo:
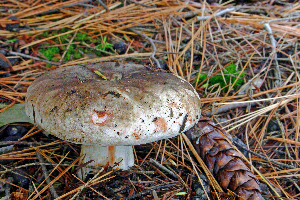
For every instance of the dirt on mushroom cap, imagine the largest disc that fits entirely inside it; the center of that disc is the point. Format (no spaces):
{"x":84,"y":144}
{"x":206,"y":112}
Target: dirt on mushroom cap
{"x":134,"y":105}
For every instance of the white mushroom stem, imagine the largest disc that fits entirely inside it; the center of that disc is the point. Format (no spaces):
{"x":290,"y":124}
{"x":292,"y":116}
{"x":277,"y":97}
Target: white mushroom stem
{"x":101,"y":155}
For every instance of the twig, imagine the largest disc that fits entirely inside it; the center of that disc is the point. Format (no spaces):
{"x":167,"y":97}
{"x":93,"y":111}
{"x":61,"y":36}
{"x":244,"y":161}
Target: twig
{"x":263,"y":157}
{"x":151,"y":42}
{"x":6,"y":149}
{"x":8,"y":186}
{"x":160,"y":166}
{"x":178,"y":23}
{"x":87,"y":5}
{"x":45,"y":173}
{"x":32,"y":57}
{"x":56,"y":178}
{"x":102,"y":4}
{"x":90,"y":181}
{"x":149,"y":190}
{"x":229,"y":107}
{"x":77,"y":3}
{"x":35,"y":189}
{"x":141,"y":4}
{"x":273,"y":43}
{"x":100,"y":50}
{"x":32,"y":164}
{"x":86,"y":185}
{"x":70,"y":42}
{"x":66,"y":6}
{"x":5,"y":143}
{"x":179,"y":178}
{"x":222,"y":12}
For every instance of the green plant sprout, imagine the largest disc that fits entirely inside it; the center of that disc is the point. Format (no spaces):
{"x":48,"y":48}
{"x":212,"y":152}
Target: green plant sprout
{"x":230,"y":73}
{"x":12,"y":40}
{"x":104,"y":45}
{"x":125,"y":38}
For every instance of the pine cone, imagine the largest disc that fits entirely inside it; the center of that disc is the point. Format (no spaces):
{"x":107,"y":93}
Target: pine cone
{"x":223,"y":161}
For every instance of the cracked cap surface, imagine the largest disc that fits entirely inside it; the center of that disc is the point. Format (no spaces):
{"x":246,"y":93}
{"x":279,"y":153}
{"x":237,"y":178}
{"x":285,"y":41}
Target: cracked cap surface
{"x":134,"y":105}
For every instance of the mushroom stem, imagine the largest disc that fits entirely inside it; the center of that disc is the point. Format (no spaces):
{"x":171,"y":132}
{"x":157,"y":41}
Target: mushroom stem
{"x":101,"y":155}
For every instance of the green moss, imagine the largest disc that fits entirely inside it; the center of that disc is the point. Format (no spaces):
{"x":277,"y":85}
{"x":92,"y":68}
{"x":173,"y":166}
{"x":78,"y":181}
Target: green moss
{"x":49,"y":52}
{"x":67,"y":56}
{"x":73,"y":55}
{"x":45,"y":34}
{"x":55,"y":59}
{"x":77,"y":55}
{"x":80,"y":49}
{"x":82,"y":37}
{"x":230,"y":76}
{"x":75,"y":50}
{"x":63,"y":30}
{"x":202,"y":77}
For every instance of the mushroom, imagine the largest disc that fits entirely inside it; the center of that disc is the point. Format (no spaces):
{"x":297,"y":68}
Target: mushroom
{"x":130,"y":105}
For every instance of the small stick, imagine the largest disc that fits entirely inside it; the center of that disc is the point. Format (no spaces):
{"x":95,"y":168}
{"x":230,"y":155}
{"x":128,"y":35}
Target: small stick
{"x":151,"y":42}
{"x":149,"y":190}
{"x":87,"y":183}
{"x":70,"y":42}
{"x":273,"y":43}
{"x":263,"y":157}
{"x":7,"y":149}
{"x":102,"y":4}
{"x":178,"y":23}
{"x":229,"y":107}
{"x":34,"y":58}
{"x":100,"y":50}
{"x":222,"y":12}
{"x":160,"y":166}
{"x":141,"y":4}
{"x":45,"y":173}
{"x":76,"y":4}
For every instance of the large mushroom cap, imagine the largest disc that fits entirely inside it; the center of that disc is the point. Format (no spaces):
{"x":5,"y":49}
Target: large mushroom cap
{"x":135,"y":105}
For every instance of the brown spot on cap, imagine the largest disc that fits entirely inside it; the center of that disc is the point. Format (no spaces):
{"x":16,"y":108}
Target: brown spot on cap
{"x":161,"y":125}
{"x":173,"y":105}
{"x":136,"y":134}
{"x":100,"y":117}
